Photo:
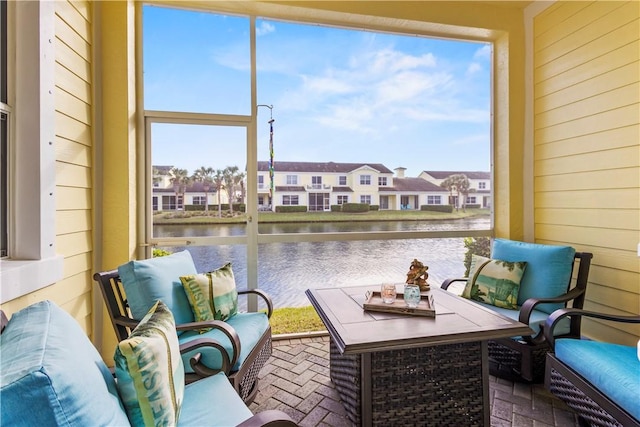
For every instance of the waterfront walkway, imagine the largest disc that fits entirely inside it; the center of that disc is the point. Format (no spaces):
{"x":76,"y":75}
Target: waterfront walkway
{"x":296,"y":381}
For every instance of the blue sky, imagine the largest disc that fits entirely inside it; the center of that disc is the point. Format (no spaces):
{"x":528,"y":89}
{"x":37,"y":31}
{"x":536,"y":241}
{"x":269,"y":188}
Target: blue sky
{"x":337,"y":95}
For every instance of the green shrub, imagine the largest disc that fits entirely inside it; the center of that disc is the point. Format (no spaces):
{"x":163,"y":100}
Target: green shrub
{"x":437,"y":208}
{"x":336,"y":208}
{"x":288,"y":208}
{"x":160,"y":252}
{"x":355,"y":207}
{"x":475,"y":246}
{"x":374,"y":207}
{"x":473,"y":206}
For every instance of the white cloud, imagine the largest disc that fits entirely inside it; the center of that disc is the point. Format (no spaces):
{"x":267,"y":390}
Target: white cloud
{"x":473,"y":68}
{"x":483,"y":53}
{"x":265,"y":28}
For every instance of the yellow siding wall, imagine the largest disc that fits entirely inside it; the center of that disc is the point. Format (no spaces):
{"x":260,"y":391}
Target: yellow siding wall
{"x":73,"y":164}
{"x":587,"y":147}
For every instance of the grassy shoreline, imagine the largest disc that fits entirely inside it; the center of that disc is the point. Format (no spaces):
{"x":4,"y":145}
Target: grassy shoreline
{"x":199,"y":217}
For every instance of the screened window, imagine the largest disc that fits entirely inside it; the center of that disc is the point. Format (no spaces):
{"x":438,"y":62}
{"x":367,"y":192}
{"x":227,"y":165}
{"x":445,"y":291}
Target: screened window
{"x":199,"y":200}
{"x":365,"y":199}
{"x":290,"y":200}
{"x":365,"y":179}
{"x":382,"y":181}
{"x":434,"y":200}
{"x":292,"y":179}
{"x":342,"y":180}
{"x":482,"y":185}
{"x":343,"y":199}
{"x":316,"y":182}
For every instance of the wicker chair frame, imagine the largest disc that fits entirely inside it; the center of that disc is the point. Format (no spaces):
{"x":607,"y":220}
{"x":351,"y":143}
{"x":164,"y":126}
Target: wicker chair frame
{"x":523,"y":359}
{"x":244,"y":380}
{"x":588,"y":402}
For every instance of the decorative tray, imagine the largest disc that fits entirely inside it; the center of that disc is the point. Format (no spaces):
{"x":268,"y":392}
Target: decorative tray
{"x":373,"y":302}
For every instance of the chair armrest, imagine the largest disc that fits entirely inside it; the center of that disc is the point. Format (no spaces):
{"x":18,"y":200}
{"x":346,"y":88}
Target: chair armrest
{"x":445,"y":285}
{"x":195,"y":363}
{"x":555,"y":317}
{"x":126,"y":321}
{"x":269,"y":418}
{"x":222,"y":327}
{"x":262,"y":294}
{"x":530,"y":304}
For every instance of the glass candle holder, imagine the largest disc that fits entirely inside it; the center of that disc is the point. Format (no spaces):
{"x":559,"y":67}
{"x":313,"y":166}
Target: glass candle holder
{"x":388,"y":293}
{"x":411,"y":295}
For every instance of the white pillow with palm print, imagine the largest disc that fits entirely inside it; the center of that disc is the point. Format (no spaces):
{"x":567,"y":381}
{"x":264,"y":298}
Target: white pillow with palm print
{"x":494,"y":282}
{"x":212,"y":295}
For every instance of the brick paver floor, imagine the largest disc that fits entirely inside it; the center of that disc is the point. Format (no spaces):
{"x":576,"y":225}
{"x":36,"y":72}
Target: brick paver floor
{"x":296,"y":381}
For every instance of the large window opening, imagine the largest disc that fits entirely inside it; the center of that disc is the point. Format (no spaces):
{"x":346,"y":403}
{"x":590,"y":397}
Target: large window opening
{"x":338,"y":175}
{"x":4,"y":132}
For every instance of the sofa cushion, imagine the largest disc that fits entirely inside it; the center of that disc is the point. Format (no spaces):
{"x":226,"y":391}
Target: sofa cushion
{"x":536,"y":320}
{"x":212,"y":401}
{"x":611,"y":368}
{"x":250,"y":328}
{"x":212,"y":295}
{"x":51,"y":374}
{"x":149,"y":370}
{"x":149,"y":280}
{"x":548,"y":269}
{"x":495,"y":282}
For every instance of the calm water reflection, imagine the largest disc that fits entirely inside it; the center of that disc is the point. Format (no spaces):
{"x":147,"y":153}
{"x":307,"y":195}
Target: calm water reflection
{"x":286,"y":270}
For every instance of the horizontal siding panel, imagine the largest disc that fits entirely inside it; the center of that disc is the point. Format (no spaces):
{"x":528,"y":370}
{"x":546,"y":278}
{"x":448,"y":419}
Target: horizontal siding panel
{"x":589,"y":180}
{"x":589,"y":218}
{"x":619,"y":78}
{"x":72,"y":152}
{"x":582,"y":236}
{"x":608,"y":139}
{"x":72,"y":129}
{"x":616,"y":98}
{"x":73,"y":221}
{"x":78,"y":265}
{"x":556,"y":14}
{"x":70,"y":15}
{"x":594,"y":199}
{"x":617,"y":118}
{"x":583,"y":55}
{"x":72,"y":61}
{"x":72,"y":39}
{"x":622,"y":300}
{"x":613,"y":279}
{"x":73,"y":107}
{"x":69,"y":198}
{"x":74,"y":243}
{"x":614,"y":259}
{"x":71,"y":83}
{"x":586,"y":26}
{"x":80,"y":309}
{"x":557,"y":77}
{"x":619,"y":333}
{"x":70,"y":175}
{"x":627,"y":157}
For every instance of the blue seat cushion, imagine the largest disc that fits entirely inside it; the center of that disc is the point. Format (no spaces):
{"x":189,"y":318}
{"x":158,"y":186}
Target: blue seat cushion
{"x":536,"y":320}
{"x":149,"y":280}
{"x":250,"y":328}
{"x":548,"y":269}
{"x":51,"y":374}
{"x":212,"y":401}
{"x":611,"y":368}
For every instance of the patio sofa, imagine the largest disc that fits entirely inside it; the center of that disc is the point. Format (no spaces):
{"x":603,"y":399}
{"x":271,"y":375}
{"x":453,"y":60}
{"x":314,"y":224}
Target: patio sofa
{"x":600,"y":381}
{"x":52,"y":375}
{"x":545,"y":285}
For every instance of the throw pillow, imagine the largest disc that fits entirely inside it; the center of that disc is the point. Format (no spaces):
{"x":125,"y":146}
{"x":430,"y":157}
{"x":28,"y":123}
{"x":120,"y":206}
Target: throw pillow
{"x":494,"y":281}
{"x":212,"y":295}
{"x":150,"y":371}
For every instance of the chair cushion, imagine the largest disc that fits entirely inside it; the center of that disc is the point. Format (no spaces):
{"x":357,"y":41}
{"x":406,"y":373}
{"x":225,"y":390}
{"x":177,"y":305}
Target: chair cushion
{"x":250,"y":328}
{"x":611,"y":368}
{"x":495,"y":282}
{"x":149,"y":370}
{"x":536,"y":320}
{"x":548,"y":269}
{"x":212,"y":401}
{"x":212,"y":295}
{"x":149,"y":280}
{"x":51,"y":374}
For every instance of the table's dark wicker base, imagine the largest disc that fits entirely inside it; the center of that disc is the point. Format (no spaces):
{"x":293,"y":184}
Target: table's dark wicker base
{"x":507,"y":362}
{"x":438,"y":385}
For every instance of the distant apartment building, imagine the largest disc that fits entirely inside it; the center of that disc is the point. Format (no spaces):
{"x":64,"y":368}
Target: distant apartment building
{"x":318,"y":185}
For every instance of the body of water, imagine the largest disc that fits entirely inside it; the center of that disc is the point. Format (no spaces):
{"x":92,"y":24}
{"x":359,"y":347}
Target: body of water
{"x":286,"y":270}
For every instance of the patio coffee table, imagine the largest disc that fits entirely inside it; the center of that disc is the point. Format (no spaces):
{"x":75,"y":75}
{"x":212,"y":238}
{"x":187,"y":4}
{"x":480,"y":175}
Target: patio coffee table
{"x":398,"y":369}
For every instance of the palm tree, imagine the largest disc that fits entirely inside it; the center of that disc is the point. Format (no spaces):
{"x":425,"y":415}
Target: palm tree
{"x":218,"y":184}
{"x":180,"y":180}
{"x":460,"y":184}
{"x":238,"y":181}
{"x":204,"y":175}
{"x":449,"y":184}
{"x":229,"y":174}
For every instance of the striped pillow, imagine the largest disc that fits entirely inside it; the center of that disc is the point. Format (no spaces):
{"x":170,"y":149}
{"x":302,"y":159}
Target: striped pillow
{"x":149,"y":370}
{"x":212,"y":295}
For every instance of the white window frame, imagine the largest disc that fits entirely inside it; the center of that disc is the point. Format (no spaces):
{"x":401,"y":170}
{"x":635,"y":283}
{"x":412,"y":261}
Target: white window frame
{"x":365,"y":198}
{"x":292,"y":179}
{"x":434,"y":200}
{"x":341,"y":199}
{"x":365,"y":179}
{"x":342,"y":180}
{"x":482,"y":185}
{"x":32,"y":262}
{"x":382,"y":181}
{"x":288,"y":199}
